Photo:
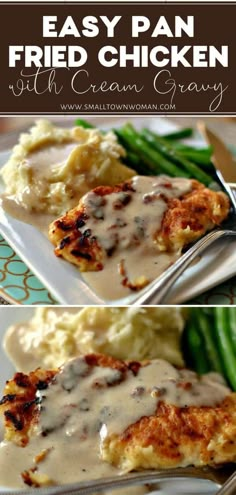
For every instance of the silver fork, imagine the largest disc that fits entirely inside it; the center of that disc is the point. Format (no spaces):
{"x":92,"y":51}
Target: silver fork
{"x":156,"y":292}
{"x":229,"y":487}
{"x":132,"y":479}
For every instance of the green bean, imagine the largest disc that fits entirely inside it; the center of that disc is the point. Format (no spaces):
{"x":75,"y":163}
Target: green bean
{"x":232,"y":323}
{"x":204,"y":326}
{"x":133,"y":161}
{"x":180,"y":134}
{"x":128,"y":143}
{"x":206,"y":151}
{"x":171,"y":154}
{"x":83,"y":123}
{"x":196,"y":356}
{"x":152,"y":158}
{"x":225,"y":345}
{"x":199,"y":157}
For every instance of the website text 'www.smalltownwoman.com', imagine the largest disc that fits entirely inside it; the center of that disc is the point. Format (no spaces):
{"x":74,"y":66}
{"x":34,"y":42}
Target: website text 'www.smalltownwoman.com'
{"x":117,"y":107}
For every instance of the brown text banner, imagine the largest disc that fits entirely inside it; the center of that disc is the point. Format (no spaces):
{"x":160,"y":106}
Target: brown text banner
{"x":118,"y":58}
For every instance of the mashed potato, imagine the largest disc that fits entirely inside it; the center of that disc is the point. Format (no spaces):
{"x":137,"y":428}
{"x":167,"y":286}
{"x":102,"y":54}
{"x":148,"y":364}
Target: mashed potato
{"x":53,"y":336}
{"x":51,"y":168}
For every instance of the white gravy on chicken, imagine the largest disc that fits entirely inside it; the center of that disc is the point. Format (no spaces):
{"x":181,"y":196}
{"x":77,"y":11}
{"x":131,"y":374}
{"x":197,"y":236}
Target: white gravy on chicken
{"x":125,"y":225}
{"x":86,"y":404}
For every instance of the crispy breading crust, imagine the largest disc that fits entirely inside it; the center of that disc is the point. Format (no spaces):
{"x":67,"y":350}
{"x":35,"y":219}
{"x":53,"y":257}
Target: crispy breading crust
{"x":186,"y":219}
{"x":173,"y":437}
{"x":191,"y":216}
{"x":80,"y":248}
{"x":20,"y":404}
{"x":177,"y":437}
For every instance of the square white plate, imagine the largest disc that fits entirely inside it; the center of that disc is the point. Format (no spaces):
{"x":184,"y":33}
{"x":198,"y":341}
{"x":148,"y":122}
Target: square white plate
{"x":64,"y":280}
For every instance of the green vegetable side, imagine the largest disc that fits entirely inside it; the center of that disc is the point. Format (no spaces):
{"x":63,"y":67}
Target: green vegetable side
{"x":209,"y":341}
{"x":151,"y":154}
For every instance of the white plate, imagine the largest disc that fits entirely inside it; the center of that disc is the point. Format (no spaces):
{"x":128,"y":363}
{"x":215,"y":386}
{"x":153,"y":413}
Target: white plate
{"x":182,"y":486}
{"x":63,"y":279}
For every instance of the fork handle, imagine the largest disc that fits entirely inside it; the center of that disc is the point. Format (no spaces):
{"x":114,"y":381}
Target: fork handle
{"x":229,"y":487}
{"x":156,"y":292}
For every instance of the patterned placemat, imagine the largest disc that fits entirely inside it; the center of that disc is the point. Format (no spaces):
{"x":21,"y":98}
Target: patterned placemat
{"x":18,"y":284}
{"x":223,"y":294}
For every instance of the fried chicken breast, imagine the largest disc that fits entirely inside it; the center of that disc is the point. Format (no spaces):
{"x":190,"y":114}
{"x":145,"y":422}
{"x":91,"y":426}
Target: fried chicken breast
{"x":136,"y":416}
{"x":177,"y":437}
{"x":161,"y":215}
{"x":20,"y":404}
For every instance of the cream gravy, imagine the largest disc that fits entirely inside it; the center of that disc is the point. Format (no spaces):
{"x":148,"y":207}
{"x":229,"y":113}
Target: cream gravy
{"x":44,"y":163}
{"x":41,"y":163}
{"x":84,"y":405}
{"x":44,"y":167}
{"x":39,"y":220}
{"x":140,"y":264}
{"x":20,"y":341}
{"x":49,"y":156}
{"x":125,"y":225}
{"x":45,"y":170}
